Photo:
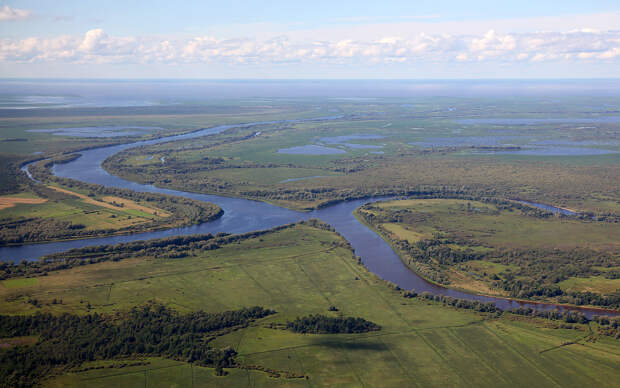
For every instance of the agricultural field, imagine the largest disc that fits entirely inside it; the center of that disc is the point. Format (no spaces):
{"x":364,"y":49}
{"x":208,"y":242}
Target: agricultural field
{"x":78,"y":211}
{"x":503,"y":248}
{"x":307,"y":269}
{"x":55,"y":212}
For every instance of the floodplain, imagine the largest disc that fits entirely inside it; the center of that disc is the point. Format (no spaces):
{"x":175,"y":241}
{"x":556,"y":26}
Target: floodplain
{"x":301,"y":270}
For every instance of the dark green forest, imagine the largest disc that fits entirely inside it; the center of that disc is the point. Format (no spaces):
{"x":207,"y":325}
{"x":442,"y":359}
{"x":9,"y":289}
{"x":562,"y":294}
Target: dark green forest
{"x":66,"y":341}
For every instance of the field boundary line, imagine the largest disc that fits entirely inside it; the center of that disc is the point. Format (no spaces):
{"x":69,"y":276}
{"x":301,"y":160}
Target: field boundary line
{"x":400,"y":364}
{"x":314,"y":284}
{"x":528,"y":361}
{"x":452,"y":333}
{"x":265,"y":290}
{"x":438,"y":353}
{"x":351,"y":366}
{"x":301,"y":364}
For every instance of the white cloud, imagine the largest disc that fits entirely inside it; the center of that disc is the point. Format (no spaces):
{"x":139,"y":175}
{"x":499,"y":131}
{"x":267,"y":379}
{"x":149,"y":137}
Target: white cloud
{"x":93,"y":40}
{"x":96,"y":46}
{"x":461,"y":57}
{"x":8,"y":13}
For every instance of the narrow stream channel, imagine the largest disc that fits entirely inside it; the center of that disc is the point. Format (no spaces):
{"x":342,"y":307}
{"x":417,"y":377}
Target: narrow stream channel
{"x":242,"y":215}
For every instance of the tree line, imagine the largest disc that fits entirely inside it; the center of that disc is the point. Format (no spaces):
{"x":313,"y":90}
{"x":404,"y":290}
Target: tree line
{"x":607,"y":326}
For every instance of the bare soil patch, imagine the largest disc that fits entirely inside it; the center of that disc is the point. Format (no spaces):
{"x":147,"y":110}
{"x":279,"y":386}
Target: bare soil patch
{"x":7,"y":202}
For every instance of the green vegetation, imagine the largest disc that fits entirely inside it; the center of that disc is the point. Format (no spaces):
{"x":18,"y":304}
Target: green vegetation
{"x":10,"y":176}
{"x":504,"y":248}
{"x":246,"y":162}
{"x":321,"y":324}
{"x":65,"y":209}
{"x":69,"y":340}
{"x":57,"y":213}
{"x":297,"y":271}
{"x":20,"y":282}
{"x":16,"y":137}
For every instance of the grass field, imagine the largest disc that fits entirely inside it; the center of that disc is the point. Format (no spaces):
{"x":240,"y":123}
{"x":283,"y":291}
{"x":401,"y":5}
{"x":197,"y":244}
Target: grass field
{"x":298,"y":271}
{"x":20,"y":282}
{"x":592,"y":284}
{"x":505,"y":229}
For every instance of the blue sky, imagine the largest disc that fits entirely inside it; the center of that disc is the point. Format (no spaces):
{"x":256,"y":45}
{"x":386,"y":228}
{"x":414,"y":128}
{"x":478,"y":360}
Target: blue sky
{"x":317,"y":39}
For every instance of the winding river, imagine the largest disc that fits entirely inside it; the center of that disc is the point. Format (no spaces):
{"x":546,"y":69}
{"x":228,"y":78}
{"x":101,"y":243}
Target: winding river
{"x":242,"y":215}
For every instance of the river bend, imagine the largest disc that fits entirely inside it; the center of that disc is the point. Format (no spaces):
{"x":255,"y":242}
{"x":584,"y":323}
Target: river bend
{"x":242,"y":215}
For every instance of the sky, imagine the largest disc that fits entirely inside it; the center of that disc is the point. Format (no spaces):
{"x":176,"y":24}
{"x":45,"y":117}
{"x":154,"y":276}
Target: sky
{"x":317,"y":39}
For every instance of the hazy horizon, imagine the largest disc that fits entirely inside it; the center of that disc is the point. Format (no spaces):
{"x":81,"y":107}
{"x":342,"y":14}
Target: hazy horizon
{"x":37,"y":93}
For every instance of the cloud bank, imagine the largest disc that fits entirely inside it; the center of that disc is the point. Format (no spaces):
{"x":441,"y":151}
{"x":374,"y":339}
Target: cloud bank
{"x":8,"y":13}
{"x":98,"y":47}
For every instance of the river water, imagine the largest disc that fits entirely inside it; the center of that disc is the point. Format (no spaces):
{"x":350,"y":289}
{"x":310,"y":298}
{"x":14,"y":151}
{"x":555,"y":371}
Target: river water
{"x":242,"y":215}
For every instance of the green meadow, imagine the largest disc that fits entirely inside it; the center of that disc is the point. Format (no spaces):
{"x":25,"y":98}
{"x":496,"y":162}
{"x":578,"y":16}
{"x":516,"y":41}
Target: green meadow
{"x":303,"y":270}
{"x":489,"y":226}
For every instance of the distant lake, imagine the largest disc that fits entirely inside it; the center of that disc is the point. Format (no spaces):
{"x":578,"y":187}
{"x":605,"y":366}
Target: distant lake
{"x":549,"y":147}
{"x":346,"y":138}
{"x":553,"y":209}
{"x":535,"y":121}
{"x":311,"y":149}
{"x":107,"y":131}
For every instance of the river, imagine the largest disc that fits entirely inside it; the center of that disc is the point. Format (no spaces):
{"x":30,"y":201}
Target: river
{"x":242,"y":215}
